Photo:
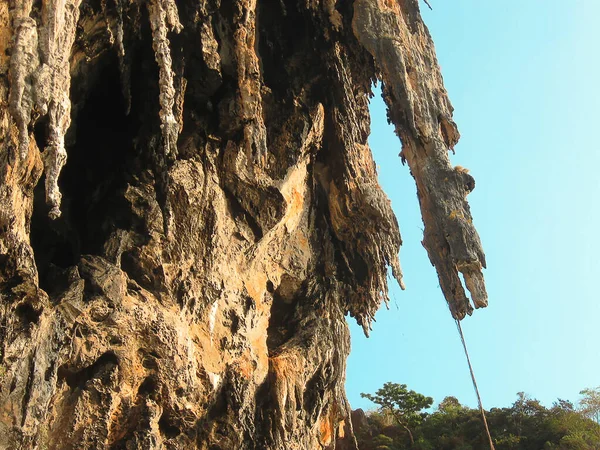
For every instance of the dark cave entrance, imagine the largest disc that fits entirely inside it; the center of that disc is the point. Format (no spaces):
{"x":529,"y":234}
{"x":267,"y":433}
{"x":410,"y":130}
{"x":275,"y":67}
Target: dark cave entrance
{"x":100,"y":156}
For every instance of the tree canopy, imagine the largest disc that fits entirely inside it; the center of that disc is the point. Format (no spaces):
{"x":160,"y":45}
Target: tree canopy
{"x":400,"y":423}
{"x":403,"y":405}
{"x":590,"y":403}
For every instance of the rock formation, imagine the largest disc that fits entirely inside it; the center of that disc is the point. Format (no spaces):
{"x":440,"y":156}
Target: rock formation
{"x":189,"y":208}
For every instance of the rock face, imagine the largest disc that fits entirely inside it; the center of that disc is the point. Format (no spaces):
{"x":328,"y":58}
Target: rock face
{"x":189,"y":208}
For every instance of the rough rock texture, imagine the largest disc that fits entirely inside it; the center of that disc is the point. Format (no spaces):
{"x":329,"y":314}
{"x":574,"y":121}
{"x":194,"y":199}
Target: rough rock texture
{"x":189,"y":208}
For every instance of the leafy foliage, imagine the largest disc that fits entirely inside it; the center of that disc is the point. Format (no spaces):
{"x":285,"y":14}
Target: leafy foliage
{"x":403,"y":405}
{"x":590,"y":403}
{"x":525,"y":425}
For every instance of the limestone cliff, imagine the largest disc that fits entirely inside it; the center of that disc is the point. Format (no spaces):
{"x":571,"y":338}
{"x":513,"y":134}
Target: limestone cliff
{"x":189,"y":208}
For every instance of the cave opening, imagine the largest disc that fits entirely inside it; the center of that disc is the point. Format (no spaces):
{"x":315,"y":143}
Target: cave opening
{"x":100,"y":156}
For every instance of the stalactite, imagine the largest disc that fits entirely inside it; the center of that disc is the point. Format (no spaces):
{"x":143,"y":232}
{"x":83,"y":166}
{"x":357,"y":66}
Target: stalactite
{"x":419,"y":108}
{"x":55,"y":43}
{"x":117,"y":37}
{"x":41,"y":81}
{"x":164,"y":18}
{"x":23,"y":64}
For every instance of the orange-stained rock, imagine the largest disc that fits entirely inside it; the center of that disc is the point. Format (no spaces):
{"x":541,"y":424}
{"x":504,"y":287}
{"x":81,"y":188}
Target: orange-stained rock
{"x":189,"y":208}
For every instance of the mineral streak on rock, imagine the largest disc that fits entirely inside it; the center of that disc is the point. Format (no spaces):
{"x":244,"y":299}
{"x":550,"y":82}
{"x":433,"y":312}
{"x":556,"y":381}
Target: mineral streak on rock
{"x":249,"y":99}
{"x":243,"y":125}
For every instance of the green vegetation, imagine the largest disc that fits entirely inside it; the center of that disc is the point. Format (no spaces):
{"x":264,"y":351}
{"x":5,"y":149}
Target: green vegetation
{"x":590,"y":404}
{"x":399,"y":423}
{"x":403,"y":405}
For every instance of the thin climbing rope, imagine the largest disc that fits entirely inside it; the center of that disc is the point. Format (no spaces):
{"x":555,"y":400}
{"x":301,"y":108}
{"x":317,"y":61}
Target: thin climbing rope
{"x":487,"y":430}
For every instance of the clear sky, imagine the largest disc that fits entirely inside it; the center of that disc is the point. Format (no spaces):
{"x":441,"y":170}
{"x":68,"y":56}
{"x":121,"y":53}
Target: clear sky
{"x":524,"y":78}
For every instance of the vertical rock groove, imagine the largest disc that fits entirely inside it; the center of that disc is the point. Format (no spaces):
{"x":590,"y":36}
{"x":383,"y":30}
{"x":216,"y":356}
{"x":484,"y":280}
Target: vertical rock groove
{"x":189,"y":207}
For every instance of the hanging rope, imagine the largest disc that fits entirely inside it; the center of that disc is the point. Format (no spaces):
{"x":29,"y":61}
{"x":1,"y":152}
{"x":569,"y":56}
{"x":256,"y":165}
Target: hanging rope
{"x":487,"y":430}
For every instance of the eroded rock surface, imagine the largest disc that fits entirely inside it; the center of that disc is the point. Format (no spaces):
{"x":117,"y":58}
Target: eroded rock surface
{"x":189,"y":208}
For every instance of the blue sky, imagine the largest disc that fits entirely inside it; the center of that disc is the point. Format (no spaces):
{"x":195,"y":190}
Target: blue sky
{"x":524,"y":78}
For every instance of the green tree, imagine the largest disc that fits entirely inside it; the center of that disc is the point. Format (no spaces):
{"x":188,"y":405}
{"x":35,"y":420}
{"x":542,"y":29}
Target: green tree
{"x":525,"y":425}
{"x":589,"y":405}
{"x":404,"y":405}
{"x":564,"y":405}
{"x":450,"y":404}
{"x":383,"y":442}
